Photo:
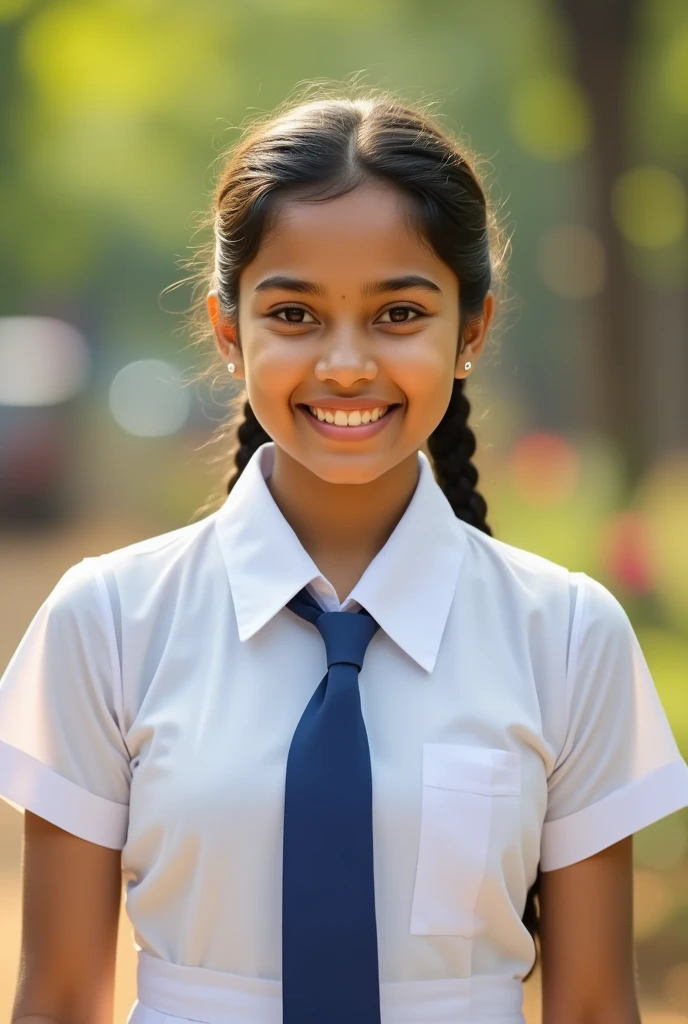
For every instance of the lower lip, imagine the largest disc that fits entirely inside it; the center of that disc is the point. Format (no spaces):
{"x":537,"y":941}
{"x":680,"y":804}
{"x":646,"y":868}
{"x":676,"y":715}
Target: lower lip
{"x":360,"y":433}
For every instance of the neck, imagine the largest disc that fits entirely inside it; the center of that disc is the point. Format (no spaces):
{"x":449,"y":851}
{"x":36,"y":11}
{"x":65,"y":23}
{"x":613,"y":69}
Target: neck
{"x":341,"y":526}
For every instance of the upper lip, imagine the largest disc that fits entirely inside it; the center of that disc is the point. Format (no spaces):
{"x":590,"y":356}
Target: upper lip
{"x":349,"y":403}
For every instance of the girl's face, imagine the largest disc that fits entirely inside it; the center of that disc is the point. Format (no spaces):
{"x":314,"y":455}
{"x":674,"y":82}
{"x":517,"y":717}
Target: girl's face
{"x":343,"y":303}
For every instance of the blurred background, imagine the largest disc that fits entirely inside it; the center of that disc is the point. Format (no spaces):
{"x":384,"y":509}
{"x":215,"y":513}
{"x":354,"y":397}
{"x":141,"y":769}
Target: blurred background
{"x":112,"y":114}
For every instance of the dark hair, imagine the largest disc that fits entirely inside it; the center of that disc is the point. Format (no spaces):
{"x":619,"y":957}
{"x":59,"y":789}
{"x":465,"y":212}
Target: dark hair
{"x":322,"y":148}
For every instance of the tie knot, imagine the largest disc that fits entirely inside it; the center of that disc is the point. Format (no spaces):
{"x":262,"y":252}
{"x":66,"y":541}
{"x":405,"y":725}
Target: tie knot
{"x":346,"y":634}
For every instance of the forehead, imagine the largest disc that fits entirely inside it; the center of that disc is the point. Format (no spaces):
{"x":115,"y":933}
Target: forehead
{"x":366,"y":233}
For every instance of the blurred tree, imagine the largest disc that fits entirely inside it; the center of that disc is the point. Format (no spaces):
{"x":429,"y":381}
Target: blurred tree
{"x":602,"y":38}
{"x":637,"y":362}
{"x":661,"y":102}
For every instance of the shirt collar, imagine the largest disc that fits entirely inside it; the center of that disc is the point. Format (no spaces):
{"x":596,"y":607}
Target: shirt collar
{"x":408,"y":587}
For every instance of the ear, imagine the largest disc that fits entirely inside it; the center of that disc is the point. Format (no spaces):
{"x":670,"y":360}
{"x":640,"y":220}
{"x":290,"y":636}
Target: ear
{"x":225,"y":334}
{"x":474,"y":338}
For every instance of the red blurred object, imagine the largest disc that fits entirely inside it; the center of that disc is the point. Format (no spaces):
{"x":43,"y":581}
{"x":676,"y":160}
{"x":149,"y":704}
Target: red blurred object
{"x":32,"y":458}
{"x":34,"y":452}
{"x":626,"y":550}
{"x":544,"y":468}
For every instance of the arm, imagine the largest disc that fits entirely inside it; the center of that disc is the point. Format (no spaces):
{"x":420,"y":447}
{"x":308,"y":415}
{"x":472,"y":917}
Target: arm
{"x":586,"y":915}
{"x":71,"y":898}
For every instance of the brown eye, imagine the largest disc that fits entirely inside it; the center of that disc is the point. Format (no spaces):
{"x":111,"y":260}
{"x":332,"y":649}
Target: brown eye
{"x":398,"y":315}
{"x":292,"y":314}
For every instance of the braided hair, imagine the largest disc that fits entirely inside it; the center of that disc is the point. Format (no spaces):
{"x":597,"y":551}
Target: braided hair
{"x":322,"y":148}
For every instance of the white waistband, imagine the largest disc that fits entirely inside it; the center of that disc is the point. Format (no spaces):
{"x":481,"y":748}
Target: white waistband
{"x":214,"y":997}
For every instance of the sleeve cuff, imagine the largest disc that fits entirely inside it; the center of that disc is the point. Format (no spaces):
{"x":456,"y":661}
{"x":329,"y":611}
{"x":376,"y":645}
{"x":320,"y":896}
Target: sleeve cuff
{"x":27,"y":783}
{"x":616,"y":816}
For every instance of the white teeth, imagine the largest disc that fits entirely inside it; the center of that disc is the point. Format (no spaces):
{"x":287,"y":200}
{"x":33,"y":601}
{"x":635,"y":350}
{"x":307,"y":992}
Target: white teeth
{"x":351,"y":419}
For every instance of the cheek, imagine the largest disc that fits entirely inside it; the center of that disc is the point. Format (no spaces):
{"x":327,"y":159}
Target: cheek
{"x":264,"y":348}
{"x":425,"y":374}
{"x":276,"y":369}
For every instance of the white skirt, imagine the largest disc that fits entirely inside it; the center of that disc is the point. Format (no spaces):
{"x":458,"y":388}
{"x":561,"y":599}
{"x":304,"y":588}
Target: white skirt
{"x":170,"y":994}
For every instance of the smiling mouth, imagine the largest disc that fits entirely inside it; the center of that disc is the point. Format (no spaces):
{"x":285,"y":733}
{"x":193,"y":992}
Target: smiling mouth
{"x":363,"y":423}
{"x":342,"y":432}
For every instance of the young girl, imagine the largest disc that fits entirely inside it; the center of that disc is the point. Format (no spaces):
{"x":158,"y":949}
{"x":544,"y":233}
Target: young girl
{"x":335,"y":734}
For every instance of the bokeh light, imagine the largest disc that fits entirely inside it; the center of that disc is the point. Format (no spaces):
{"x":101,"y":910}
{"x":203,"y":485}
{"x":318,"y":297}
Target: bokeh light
{"x":550,"y":118}
{"x":120,"y":92}
{"x":147,"y":399}
{"x":649,"y":206}
{"x":43,"y":361}
{"x":565,"y":530}
{"x":674,"y":71}
{"x":115,"y":58}
{"x":626,"y":550}
{"x":544,"y":468}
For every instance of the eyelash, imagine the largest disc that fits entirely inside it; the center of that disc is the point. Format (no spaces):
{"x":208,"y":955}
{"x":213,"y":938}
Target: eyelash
{"x":297,"y":323}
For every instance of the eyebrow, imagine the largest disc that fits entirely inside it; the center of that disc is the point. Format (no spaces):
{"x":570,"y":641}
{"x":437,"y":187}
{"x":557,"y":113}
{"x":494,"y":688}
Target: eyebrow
{"x":391,"y":284}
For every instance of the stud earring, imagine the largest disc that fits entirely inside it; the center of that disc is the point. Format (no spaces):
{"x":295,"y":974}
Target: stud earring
{"x":467,"y":366}
{"x":231,"y":367}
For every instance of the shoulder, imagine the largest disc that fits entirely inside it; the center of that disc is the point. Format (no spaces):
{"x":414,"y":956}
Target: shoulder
{"x":82,"y":589}
{"x":601,"y":624}
{"x":596,"y":603}
{"x":162,"y":557}
{"x":542,"y":599}
{"x":511,"y":572}
{"x":517,"y":577}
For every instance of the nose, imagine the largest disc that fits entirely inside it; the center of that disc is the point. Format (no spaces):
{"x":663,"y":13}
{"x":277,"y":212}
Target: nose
{"x":347,"y":358}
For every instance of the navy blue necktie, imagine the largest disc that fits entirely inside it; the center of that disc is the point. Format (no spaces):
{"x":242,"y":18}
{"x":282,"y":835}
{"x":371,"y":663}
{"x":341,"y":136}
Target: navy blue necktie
{"x":329,"y":930}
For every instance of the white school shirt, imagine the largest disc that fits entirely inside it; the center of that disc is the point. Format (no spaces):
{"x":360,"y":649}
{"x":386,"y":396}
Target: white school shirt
{"x":510,"y":713}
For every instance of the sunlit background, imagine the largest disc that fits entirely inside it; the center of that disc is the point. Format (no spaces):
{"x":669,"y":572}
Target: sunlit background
{"x":113,"y":112}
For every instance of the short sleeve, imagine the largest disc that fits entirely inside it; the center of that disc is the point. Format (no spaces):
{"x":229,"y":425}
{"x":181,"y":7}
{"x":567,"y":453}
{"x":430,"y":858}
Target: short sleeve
{"x":62,"y":754}
{"x":620,"y":768}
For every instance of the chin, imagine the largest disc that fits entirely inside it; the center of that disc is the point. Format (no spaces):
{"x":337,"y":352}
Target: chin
{"x":349,"y":468}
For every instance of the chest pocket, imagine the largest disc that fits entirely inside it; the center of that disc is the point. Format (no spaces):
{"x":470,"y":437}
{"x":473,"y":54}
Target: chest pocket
{"x":462,"y":790}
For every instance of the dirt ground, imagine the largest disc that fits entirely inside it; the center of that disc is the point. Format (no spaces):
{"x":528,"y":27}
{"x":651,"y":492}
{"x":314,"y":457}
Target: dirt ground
{"x":30,"y":565}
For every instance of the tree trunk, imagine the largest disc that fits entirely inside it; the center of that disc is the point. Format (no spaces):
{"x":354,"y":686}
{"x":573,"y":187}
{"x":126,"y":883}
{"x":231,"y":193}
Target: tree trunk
{"x":602,"y":42}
